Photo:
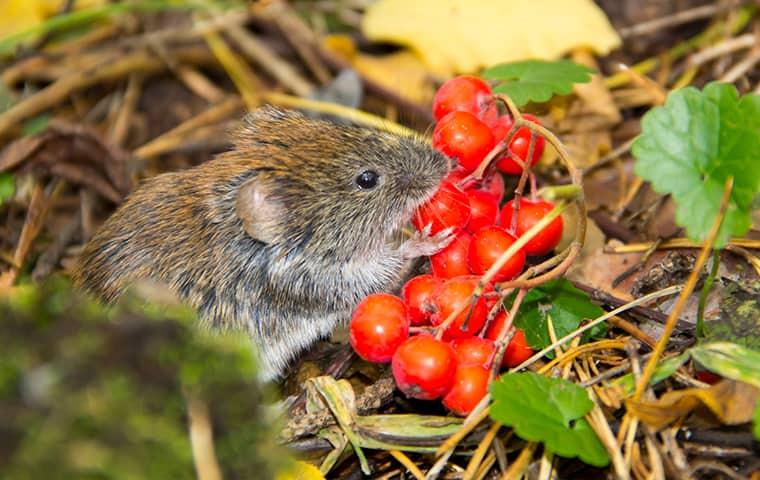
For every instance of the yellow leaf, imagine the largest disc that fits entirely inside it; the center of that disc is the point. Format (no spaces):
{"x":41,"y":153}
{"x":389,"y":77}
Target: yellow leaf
{"x":302,"y":471}
{"x":19,"y":15}
{"x":401,"y":72}
{"x":732,"y":402}
{"x":459,"y":36}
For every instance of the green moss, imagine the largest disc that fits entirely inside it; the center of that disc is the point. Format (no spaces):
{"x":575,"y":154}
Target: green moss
{"x":90,"y":392}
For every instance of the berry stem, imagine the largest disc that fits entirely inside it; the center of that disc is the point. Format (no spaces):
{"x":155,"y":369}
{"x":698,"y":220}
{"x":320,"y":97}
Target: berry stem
{"x":505,"y":334}
{"x":519,"y":243}
{"x":554,"y":192}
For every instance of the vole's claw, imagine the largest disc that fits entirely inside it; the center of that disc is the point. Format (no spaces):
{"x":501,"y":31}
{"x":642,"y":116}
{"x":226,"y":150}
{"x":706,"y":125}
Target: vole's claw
{"x":423,"y":244}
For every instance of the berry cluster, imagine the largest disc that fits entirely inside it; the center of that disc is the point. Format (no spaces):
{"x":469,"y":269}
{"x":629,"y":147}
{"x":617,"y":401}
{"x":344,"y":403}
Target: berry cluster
{"x":452,"y":346}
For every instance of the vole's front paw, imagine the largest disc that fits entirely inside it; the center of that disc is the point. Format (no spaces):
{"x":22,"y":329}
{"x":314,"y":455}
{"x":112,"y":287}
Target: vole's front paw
{"x":422,"y":244}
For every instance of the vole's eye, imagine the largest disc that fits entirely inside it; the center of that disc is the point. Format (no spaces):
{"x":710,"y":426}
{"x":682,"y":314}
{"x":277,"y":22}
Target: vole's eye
{"x":367,"y":180}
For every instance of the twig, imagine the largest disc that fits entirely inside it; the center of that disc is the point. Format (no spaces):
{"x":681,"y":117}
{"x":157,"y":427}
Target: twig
{"x":117,"y":68}
{"x":725,"y":47}
{"x":247,"y":83}
{"x":410,"y":466}
{"x":202,"y":439}
{"x":520,"y":464}
{"x":39,"y":207}
{"x":679,"y":243}
{"x":262,"y":55}
{"x":736,"y":24}
{"x":169,"y":140}
{"x":688,"y":288}
{"x":597,"y":321}
{"x":745,"y":65}
{"x":679,"y":18}
{"x":469,"y":425}
{"x":199,"y":84}
{"x":480,"y":452}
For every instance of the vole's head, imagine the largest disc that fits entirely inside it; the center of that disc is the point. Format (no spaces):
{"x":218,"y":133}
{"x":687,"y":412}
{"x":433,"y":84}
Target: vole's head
{"x":328,"y":188}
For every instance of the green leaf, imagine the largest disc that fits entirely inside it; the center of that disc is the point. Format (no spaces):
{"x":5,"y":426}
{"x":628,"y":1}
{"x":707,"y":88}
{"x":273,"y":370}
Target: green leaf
{"x":729,"y":360}
{"x":537,"y":80}
{"x":692,"y":144}
{"x":756,"y":421}
{"x":567,"y":307}
{"x":548,"y":410}
{"x":7,"y":187}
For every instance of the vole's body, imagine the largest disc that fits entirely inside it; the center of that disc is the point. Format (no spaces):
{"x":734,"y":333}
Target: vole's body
{"x":274,"y":237}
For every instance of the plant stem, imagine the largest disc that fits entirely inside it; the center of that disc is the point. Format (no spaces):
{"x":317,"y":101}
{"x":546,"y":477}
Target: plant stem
{"x":688,"y":288}
{"x":705,"y":291}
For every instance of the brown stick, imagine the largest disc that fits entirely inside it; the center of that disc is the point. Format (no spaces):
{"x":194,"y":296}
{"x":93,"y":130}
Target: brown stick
{"x":59,"y":90}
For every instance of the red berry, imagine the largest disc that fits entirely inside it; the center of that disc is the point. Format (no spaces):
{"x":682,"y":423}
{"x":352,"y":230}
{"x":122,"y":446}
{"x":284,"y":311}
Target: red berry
{"x":463,"y":136}
{"x":494,"y":184}
{"x":448,"y":207}
{"x":473,"y":351}
{"x":488,"y":244}
{"x":449,"y":297}
{"x":418,"y":295}
{"x":378,"y":326}
{"x":452,"y":261}
{"x":708,"y":377}
{"x":424,"y":367}
{"x":469,"y":388}
{"x":517,"y":351}
{"x":467,"y":94}
{"x":501,"y":127}
{"x":483,"y":210}
{"x":529,"y":214}
{"x":519,"y":144}
{"x":492,"y":332}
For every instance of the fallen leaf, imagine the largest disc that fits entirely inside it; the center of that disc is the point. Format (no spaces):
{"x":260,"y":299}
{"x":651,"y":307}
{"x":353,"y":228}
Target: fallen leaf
{"x":402,"y":72}
{"x":302,"y":471}
{"x":467,"y":35}
{"x":20,"y":15}
{"x":74,"y":152}
{"x":730,"y":401}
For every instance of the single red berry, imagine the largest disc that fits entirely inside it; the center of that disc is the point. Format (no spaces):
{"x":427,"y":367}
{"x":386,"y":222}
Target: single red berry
{"x":517,"y":351}
{"x":378,"y":326}
{"x":469,"y":388}
{"x":488,"y":244}
{"x":449,"y":207}
{"x":418,"y":295}
{"x":529,"y":214}
{"x":465,"y":94}
{"x":463,"y":136}
{"x":519,"y":145}
{"x":708,"y":377}
{"x":454,"y":294}
{"x":494,"y":184}
{"x":473,"y":351}
{"x":484,"y":211}
{"x":492,"y":332}
{"x":452,"y":261}
{"x":500,"y":128}
{"x":424,"y":367}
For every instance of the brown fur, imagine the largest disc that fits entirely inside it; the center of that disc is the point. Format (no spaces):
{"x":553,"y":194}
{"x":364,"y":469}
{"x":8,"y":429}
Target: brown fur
{"x":273,"y":237}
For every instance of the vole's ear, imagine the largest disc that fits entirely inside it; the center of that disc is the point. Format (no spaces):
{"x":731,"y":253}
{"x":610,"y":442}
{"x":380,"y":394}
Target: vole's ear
{"x":260,"y":210}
